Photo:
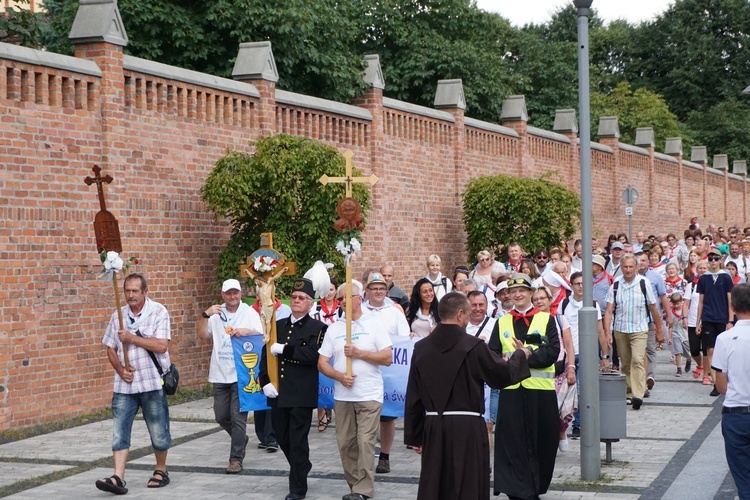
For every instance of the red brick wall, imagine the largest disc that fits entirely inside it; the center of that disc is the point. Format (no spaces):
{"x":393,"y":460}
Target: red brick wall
{"x":160,"y":138}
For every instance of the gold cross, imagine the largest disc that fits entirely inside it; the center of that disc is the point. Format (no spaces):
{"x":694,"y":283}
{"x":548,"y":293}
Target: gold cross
{"x":348,"y":179}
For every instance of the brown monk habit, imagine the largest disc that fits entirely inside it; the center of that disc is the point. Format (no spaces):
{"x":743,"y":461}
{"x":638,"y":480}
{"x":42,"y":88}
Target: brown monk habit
{"x":448,"y":369}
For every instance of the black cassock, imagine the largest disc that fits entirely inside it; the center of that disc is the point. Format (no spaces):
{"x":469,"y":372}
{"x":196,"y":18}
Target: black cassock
{"x":528,"y":425}
{"x":447,"y":372}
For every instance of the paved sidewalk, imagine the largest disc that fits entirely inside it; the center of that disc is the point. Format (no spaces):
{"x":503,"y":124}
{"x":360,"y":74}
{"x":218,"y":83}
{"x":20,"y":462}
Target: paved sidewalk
{"x":674,"y":450}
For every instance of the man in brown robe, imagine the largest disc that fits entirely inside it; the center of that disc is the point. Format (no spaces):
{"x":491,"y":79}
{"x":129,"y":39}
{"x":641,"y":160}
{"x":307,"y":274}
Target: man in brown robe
{"x":445,"y":400}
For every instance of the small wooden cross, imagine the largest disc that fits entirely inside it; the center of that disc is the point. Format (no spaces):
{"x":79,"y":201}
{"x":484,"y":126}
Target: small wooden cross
{"x":98,"y":179}
{"x":348,"y":179}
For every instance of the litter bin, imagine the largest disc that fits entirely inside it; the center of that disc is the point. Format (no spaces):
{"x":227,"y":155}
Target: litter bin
{"x":612,"y":409}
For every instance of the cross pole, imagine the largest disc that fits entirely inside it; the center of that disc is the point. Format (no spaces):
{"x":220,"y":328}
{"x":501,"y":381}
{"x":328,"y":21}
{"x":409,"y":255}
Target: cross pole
{"x":267,"y":279}
{"x":108,"y":239}
{"x":348,"y":180}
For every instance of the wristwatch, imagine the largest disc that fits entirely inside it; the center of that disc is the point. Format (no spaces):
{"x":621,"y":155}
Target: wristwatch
{"x":606,"y":356}
{"x":205,"y":315}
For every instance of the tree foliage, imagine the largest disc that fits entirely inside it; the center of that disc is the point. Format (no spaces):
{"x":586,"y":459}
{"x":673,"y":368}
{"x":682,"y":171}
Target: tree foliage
{"x":637,"y":108}
{"x":724,"y":129}
{"x":534,"y":212}
{"x":21,"y":26}
{"x":277,"y":190}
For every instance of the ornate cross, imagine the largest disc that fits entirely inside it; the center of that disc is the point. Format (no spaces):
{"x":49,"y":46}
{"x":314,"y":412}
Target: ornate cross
{"x":348,"y":179}
{"x":106,"y":229}
{"x":266,"y":296}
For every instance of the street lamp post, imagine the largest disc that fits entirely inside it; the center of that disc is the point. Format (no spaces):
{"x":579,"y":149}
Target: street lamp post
{"x":587,"y":316}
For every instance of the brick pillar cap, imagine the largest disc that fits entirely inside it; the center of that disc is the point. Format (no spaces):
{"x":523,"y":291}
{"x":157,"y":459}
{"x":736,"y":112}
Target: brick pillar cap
{"x":673,"y":146}
{"x":98,"y":21}
{"x":450,"y":94}
{"x":739,"y":167}
{"x":699,"y":154}
{"x":566,"y":121}
{"x":644,"y":137}
{"x":255,"y":61}
{"x":608,"y":127}
{"x":373,"y":73}
{"x":514,"y":109}
{"x":721,"y":162}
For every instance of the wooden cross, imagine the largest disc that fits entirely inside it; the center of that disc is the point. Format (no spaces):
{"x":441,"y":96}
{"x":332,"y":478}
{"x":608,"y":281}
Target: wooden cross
{"x":266,"y":295}
{"x":107,"y":234}
{"x":348,"y":180}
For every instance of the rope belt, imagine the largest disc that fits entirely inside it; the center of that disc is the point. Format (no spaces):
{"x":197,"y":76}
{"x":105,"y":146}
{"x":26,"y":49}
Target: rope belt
{"x":448,"y":413}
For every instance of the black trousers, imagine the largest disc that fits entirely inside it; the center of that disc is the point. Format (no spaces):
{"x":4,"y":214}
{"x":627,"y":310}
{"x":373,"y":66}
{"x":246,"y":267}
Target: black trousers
{"x":292,"y":426}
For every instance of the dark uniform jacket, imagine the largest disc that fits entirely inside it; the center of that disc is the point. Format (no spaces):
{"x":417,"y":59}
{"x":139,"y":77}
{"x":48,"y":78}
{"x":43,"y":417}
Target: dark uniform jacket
{"x":298,"y":364}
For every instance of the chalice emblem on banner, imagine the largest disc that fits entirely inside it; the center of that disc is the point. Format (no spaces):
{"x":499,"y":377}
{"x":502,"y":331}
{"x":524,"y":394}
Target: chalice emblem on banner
{"x":250,"y":360}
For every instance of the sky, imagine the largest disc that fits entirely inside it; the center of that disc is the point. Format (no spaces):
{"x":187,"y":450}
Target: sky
{"x":539,"y":11}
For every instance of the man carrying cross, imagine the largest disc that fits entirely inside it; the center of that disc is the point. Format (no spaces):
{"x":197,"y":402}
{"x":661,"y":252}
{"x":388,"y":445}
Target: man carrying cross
{"x":147,"y":331}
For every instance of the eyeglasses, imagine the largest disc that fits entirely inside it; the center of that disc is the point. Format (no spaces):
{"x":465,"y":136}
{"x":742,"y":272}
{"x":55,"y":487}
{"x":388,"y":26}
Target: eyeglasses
{"x":484,"y":259}
{"x":379,"y":289}
{"x":299,"y":297}
{"x":577,"y":283}
{"x":713,"y":258}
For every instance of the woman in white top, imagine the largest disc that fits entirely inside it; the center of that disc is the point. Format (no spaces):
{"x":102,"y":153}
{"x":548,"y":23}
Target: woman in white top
{"x":440,"y":283}
{"x":423,"y":309}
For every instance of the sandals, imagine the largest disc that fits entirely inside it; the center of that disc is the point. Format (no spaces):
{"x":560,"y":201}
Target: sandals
{"x":153,"y":482}
{"x":112,"y":484}
{"x":697,"y":372}
{"x":323,"y":423}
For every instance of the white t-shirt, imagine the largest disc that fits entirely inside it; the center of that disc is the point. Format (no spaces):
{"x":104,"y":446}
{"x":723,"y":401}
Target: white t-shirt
{"x":571,"y":314}
{"x":390,"y":318}
{"x":486,"y":331}
{"x":730,"y":356}
{"x":367,"y":335}
{"x":691,"y":293}
{"x":222,"y":369}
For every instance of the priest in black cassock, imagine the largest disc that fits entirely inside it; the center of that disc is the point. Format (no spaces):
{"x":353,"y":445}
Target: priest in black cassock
{"x":445,"y":400}
{"x":527,"y":426}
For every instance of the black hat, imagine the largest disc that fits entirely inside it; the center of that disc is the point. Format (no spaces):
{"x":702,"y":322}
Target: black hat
{"x":304,"y":285}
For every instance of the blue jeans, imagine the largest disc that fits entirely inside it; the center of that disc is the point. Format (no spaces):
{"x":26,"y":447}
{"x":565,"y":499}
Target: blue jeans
{"x":735,"y":427}
{"x":155,"y":413}
{"x":494,"y":400}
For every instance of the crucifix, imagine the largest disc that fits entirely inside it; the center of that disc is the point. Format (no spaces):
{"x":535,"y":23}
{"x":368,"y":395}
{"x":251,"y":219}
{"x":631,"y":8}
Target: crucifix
{"x":107,"y":233}
{"x":349,"y":211}
{"x":265,"y":266}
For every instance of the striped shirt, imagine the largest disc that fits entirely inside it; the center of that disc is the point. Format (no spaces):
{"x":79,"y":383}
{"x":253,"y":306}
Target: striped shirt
{"x":145,"y":377}
{"x":631,"y":315}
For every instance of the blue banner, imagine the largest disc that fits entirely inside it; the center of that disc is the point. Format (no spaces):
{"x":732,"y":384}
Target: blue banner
{"x":396,"y":376}
{"x":248,"y":351}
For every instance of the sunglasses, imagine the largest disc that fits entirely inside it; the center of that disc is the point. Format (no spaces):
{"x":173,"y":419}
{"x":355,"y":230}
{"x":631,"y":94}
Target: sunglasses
{"x":518,"y":281}
{"x":484,"y":259}
{"x":713,"y":258}
{"x":541,"y":256}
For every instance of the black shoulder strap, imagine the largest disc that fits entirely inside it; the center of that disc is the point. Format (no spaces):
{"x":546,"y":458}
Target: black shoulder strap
{"x":645,"y":299}
{"x":482,"y":327}
{"x":565,"y":303}
{"x":152,"y":355}
{"x":445,"y":283}
{"x":615,"y":286}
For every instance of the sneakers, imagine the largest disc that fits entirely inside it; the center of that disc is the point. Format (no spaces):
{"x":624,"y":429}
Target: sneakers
{"x":697,"y":372}
{"x":384,"y":466}
{"x":628,"y":401}
{"x":637,"y":403}
{"x":706,"y":380}
{"x":650,"y":382}
{"x":679,"y":372}
{"x":576,"y":432}
{"x":563,"y":445}
{"x":714,"y":392}
{"x":646,"y":393}
{"x":688,"y":364}
{"x":272,"y":447}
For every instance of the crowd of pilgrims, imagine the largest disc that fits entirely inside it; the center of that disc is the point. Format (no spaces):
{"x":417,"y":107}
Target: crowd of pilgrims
{"x":677,"y":262}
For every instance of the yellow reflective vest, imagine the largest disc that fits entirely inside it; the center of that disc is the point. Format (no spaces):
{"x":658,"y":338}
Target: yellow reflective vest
{"x":541,"y":378}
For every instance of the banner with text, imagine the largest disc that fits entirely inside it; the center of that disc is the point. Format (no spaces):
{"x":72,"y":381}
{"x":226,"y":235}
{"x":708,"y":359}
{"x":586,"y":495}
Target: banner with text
{"x":247,"y":355}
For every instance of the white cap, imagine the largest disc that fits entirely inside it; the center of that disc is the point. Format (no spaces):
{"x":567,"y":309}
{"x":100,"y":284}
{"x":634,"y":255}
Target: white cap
{"x":230,"y":285}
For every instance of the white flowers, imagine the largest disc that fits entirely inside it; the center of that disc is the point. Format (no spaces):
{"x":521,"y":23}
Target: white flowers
{"x":264,"y":264}
{"x":347,"y":249}
{"x":112,"y":262}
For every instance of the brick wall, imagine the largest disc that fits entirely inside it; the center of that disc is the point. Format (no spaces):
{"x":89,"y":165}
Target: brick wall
{"x":159,"y":138}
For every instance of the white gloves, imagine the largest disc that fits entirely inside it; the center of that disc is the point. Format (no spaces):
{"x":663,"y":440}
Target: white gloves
{"x":277,"y":349}
{"x":270,"y":391}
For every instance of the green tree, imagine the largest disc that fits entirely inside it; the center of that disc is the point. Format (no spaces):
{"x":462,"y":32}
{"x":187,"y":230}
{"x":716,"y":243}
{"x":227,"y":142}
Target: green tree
{"x":21,"y":26}
{"x":534,"y":212}
{"x":639,"y":108}
{"x":695,"y":54}
{"x":277,"y":190}
{"x":724,"y":129}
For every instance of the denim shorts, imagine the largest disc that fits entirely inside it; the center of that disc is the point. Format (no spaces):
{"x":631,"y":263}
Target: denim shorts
{"x":155,"y":413}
